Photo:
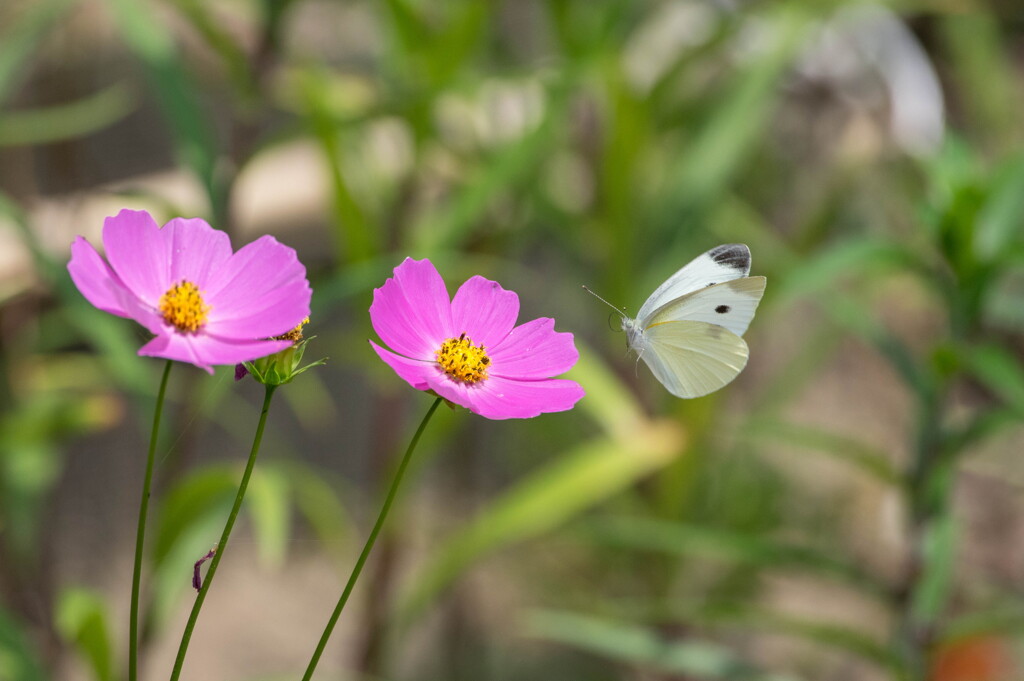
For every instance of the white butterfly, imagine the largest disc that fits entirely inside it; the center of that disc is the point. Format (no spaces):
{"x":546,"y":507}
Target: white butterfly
{"x":689,"y":330}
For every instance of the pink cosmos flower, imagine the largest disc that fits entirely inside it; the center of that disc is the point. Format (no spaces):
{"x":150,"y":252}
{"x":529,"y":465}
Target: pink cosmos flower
{"x":205,"y":304}
{"x":466,"y":349}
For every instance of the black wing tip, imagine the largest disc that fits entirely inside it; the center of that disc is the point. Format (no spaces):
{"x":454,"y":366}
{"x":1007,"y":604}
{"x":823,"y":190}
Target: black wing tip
{"x":736,"y":256}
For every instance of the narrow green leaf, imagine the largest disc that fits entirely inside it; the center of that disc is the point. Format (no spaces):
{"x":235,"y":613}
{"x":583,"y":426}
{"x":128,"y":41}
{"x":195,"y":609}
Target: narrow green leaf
{"x":172,"y":576}
{"x":47,"y":265}
{"x":142,"y":30}
{"x":983,"y":69}
{"x":980,"y":428}
{"x":21,"y":38}
{"x":869,"y":459}
{"x":116,"y":339}
{"x":454,"y":45}
{"x":66,"y":121}
{"x":680,"y":539}
{"x":933,"y":589}
{"x":733,"y":132}
{"x":82,"y":621}
{"x":999,"y":224}
{"x":636,"y":645}
{"x":610,"y":403}
{"x":856,"y":256}
{"x":316,"y":501}
{"x":449,"y":228}
{"x":18,"y":660}
{"x":1000,"y":370}
{"x":356,"y":240}
{"x":409,"y":28}
{"x":267,"y":503}
{"x":1006,"y":618}
{"x":221,"y":41}
{"x":625,"y":147}
{"x":856,"y":318}
{"x":862,"y":644}
{"x":192,"y":500}
{"x":578,"y":480}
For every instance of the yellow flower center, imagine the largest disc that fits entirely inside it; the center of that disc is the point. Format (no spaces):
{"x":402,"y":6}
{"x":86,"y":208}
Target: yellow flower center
{"x":462,"y":360}
{"x":183,"y":307}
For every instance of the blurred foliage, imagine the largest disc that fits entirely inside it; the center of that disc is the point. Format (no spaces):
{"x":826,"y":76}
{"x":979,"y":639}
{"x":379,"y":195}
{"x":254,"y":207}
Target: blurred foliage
{"x":868,"y":154}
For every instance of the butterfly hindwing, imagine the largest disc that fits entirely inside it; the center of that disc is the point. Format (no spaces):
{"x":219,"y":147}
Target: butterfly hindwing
{"x":720,"y":264}
{"x":692,"y":358}
{"x":730,"y":304}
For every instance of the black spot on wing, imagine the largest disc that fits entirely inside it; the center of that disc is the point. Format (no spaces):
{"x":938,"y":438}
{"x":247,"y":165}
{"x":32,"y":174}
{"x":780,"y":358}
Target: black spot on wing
{"x":722,"y":309}
{"x":735,"y":256}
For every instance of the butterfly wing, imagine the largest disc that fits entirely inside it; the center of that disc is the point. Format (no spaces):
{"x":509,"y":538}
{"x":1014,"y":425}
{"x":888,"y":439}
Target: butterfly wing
{"x":720,"y":264}
{"x":692,"y":358}
{"x":730,"y":304}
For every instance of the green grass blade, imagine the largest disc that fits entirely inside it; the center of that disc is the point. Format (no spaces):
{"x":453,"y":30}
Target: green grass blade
{"x":643,"y":647}
{"x":680,"y":539}
{"x":20,"y":39}
{"x":18,"y":660}
{"x":581,"y":478}
{"x":867,"y":458}
{"x":175,"y":91}
{"x":727,"y":138}
{"x":1000,"y":371}
{"x":66,"y":121}
{"x":82,"y":621}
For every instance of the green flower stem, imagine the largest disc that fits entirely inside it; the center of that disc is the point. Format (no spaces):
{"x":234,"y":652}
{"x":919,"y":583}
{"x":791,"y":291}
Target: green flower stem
{"x":140,"y":533}
{"x":358,"y":568}
{"x":223,"y":543}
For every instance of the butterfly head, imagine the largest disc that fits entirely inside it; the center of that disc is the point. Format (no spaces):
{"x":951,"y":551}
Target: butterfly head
{"x":634,"y":331}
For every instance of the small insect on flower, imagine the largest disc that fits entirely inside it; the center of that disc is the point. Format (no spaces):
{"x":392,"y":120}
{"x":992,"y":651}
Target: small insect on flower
{"x":205,"y":304}
{"x":467,"y":349}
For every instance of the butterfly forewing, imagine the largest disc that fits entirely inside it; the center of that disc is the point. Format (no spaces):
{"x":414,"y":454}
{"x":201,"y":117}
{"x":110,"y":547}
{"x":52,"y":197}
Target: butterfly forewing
{"x":692,"y":358}
{"x":720,"y":264}
{"x":730,"y":304}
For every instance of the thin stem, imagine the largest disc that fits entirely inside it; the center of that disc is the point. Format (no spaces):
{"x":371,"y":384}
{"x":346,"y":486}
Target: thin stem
{"x":223,"y":543}
{"x":140,"y":533}
{"x":369,"y":542}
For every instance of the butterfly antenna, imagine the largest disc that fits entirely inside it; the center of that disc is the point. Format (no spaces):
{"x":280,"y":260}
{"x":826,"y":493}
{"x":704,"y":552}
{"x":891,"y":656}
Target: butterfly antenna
{"x":617,"y":310}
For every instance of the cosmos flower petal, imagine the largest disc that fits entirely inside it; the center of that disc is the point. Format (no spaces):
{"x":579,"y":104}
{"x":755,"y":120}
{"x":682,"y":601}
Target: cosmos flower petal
{"x":101,"y":287}
{"x":395,"y":323}
{"x":174,"y":346}
{"x":427,"y":295}
{"x":94,"y":278}
{"x":505,"y":398}
{"x":273,"y":314}
{"x":501,"y":398}
{"x":411,"y":312}
{"x":206,"y":351}
{"x":534,"y":350}
{"x":216,"y":350}
{"x":140,"y":253}
{"x":252,"y":272}
{"x":412,"y":371}
{"x":197,"y":250}
{"x":484,"y":311}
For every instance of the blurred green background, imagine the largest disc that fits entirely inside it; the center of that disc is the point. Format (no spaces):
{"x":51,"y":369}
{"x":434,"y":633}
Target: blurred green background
{"x":849,"y":509}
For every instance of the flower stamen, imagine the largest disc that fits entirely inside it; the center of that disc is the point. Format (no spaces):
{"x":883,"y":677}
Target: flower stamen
{"x":183,"y":307}
{"x":462,"y":360}
{"x":295,"y":335}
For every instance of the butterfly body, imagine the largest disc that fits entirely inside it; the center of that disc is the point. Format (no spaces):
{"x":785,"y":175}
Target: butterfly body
{"x":689,"y":331}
